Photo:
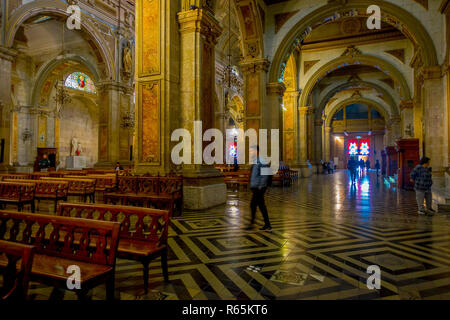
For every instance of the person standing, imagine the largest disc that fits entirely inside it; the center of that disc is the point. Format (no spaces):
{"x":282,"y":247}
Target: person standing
{"x":377,"y":167}
{"x":352,"y":166}
{"x":44,"y":163}
{"x":258,"y":186}
{"x":422,"y":178}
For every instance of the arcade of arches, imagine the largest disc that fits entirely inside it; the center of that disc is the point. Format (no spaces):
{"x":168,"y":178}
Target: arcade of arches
{"x":137,"y":70}
{"x":295,"y":66}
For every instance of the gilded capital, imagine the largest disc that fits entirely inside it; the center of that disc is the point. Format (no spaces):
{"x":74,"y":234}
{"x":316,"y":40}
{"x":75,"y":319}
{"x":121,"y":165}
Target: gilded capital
{"x":406,"y":104}
{"x":8,"y":53}
{"x":254,"y":65}
{"x":428,"y":73}
{"x":303,"y":110}
{"x":276,"y":89}
{"x":199,"y":20}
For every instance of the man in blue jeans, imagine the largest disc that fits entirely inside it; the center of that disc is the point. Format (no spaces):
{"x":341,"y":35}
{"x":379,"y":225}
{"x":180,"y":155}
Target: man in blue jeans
{"x":258,"y":186}
{"x":421,"y":176}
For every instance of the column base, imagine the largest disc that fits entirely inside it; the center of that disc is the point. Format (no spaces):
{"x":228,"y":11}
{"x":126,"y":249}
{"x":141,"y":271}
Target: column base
{"x":203,"y":188}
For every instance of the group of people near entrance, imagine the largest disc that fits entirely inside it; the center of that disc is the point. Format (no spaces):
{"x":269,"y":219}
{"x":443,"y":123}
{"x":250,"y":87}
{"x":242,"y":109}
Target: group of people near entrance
{"x":353,"y":165}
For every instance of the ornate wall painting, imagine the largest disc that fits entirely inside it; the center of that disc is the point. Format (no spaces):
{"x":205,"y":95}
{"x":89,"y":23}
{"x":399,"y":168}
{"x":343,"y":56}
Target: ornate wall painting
{"x":253,"y":124}
{"x":288,"y":114}
{"x":252,"y":95}
{"x":248,"y":21}
{"x":149,"y":114}
{"x":149,"y":38}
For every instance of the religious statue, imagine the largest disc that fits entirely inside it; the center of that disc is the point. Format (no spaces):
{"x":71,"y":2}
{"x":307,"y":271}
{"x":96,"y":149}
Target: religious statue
{"x":79,"y":149}
{"x":73,"y":147}
{"x":127,"y":59}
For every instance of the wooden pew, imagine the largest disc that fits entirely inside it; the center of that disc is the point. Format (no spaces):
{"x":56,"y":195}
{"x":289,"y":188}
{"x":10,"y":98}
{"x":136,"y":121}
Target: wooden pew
{"x":139,"y":240}
{"x":15,"y":281}
{"x":15,"y":176}
{"x":48,"y":190}
{"x":18,"y":193}
{"x":62,"y":242}
{"x":103,"y":183}
{"x":165,"y":193}
{"x":81,"y":187}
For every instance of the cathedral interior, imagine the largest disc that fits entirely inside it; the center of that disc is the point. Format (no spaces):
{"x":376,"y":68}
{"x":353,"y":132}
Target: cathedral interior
{"x":98,"y":88}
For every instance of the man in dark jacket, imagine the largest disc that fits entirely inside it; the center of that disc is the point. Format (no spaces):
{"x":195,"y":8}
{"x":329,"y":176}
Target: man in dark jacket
{"x":421,"y":176}
{"x":258,"y":186}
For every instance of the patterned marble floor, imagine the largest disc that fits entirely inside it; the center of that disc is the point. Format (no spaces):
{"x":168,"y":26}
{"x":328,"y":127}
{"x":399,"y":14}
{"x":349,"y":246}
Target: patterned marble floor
{"x":325,"y":235}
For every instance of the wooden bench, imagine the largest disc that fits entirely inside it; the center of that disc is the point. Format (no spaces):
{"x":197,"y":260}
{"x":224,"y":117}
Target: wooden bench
{"x":62,"y":242}
{"x":18,"y":193}
{"x":15,"y":176}
{"x":140,"y":240}
{"x":81,"y":187}
{"x":165,"y":193}
{"x":15,"y":280}
{"x":48,"y":190}
{"x":237,"y":178}
{"x":103,"y":183}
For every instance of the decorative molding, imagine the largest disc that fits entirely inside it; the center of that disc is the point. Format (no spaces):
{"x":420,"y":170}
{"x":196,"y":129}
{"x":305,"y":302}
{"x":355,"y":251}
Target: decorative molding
{"x":276,"y":88}
{"x":282,"y":18}
{"x":351,"y":51}
{"x":428,"y":73}
{"x":254,"y":65}
{"x":397,"y":53}
{"x":200,"y":21}
{"x":406,"y":104}
{"x":307,"y":65}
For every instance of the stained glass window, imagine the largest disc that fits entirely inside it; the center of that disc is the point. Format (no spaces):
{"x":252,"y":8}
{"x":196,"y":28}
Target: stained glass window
{"x":80,"y":81}
{"x":353,"y":148}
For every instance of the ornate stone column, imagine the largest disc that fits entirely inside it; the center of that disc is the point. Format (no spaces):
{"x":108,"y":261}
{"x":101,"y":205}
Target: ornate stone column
{"x":271,"y":116}
{"x":7,"y":57}
{"x":254,"y":71}
{"x":434,"y":125}
{"x":203,"y":185}
{"x":303,"y":135}
{"x":290,"y":128}
{"x":113,"y":143}
{"x":318,"y":140}
{"x":327,"y":151}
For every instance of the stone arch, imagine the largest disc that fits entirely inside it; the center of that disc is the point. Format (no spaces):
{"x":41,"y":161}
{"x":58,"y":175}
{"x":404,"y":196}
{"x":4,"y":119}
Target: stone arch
{"x":47,"y":7}
{"x":333,"y":91}
{"x":45,"y":71}
{"x":251,"y":28}
{"x":359,"y":59}
{"x":362,"y":100}
{"x":391,"y":14}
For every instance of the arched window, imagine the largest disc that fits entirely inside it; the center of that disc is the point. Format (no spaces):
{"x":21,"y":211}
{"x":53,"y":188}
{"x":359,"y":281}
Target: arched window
{"x":80,"y":81}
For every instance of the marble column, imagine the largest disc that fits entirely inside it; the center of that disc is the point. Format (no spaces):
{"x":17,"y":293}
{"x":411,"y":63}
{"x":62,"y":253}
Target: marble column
{"x":256,"y":116}
{"x":110,"y":133}
{"x":203,"y":186}
{"x":7,"y":57}
{"x":272,"y":113}
{"x":290,"y":128}
{"x":327,"y":151}
{"x":304,"y":166}
{"x":434,"y":124}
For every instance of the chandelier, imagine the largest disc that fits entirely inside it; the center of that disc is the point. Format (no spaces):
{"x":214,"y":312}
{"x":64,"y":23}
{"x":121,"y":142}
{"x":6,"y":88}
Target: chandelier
{"x":62,"y":96}
{"x":128,"y":120}
{"x":230,"y":73}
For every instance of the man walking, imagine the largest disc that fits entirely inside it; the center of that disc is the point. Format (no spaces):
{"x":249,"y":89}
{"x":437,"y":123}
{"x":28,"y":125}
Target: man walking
{"x":421,"y":176}
{"x":377,"y":167}
{"x":352,"y":167}
{"x":258,"y":186}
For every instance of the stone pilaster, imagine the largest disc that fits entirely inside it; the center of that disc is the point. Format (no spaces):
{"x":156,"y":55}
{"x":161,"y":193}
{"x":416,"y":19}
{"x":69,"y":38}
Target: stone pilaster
{"x":203,"y":186}
{"x":434,"y":124}
{"x":327,"y":137}
{"x":254,"y":71}
{"x":114,"y":141}
{"x":7,"y":57}
{"x":407,"y":114}
{"x":290,"y":128}
{"x":303,"y":134}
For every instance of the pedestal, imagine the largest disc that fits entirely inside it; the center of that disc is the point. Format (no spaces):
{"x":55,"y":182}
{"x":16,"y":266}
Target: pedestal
{"x":75,"y":162}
